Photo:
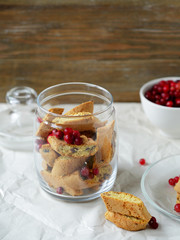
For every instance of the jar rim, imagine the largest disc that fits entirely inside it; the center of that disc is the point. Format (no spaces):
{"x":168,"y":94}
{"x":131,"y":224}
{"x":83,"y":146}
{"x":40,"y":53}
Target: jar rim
{"x":75,"y":83}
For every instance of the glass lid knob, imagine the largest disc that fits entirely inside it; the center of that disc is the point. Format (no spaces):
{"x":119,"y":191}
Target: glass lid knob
{"x":21,"y":95}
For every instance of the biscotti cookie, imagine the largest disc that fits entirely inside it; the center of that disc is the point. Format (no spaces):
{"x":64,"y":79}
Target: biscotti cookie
{"x":56,"y":182}
{"x":83,"y":107}
{"x":75,"y":180}
{"x":45,"y":127}
{"x":104,"y":142}
{"x":72,"y":181}
{"x":177,"y":189}
{"x":178,"y":198}
{"x":88,"y":148}
{"x":125,"y":204}
{"x":48,"y":154}
{"x":126,"y":222}
{"x":65,"y":165}
{"x":49,"y":117}
{"x":44,"y":130}
{"x":82,"y":121}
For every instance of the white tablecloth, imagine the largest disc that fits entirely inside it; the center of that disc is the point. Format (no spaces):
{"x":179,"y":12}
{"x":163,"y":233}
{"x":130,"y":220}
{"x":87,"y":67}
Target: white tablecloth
{"x":27,"y":212}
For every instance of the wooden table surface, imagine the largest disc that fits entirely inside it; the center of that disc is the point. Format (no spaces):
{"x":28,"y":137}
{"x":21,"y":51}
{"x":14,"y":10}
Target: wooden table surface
{"x":116,"y":44}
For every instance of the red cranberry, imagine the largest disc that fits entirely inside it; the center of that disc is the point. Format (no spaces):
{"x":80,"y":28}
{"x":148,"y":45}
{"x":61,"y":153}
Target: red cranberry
{"x":178,"y":85}
{"x":38,"y":146}
{"x":91,"y":175}
{"x":176,"y":179}
{"x":177,"y":207}
{"x":142,"y":161}
{"x":171,"y":181}
{"x":58,"y":133}
{"x":177,"y":102}
{"x":39,"y":120}
{"x":59,"y":190}
{"x":69,"y":138}
{"x":162,"y":101}
{"x":76,"y":133}
{"x":166,"y":93}
{"x":95,"y":171}
{"x":84,"y":172}
{"x":68,"y":131}
{"x":169,"y":103}
{"x":153,"y":223}
{"x":172,"y":88}
{"x":148,"y":95}
{"x":162,"y":83}
{"x":78,"y":141}
{"x":158,"y":102}
{"x":40,"y":141}
{"x":165,"y":96}
{"x":157,"y":97}
{"x":166,"y":88}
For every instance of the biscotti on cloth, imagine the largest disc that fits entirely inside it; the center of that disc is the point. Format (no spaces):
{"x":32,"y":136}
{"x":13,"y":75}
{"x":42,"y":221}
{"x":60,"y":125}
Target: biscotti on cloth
{"x":126,"y":210}
{"x":126,"y":222}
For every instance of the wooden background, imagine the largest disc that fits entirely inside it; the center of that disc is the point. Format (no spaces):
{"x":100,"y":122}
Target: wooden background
{"x":116,"y":44}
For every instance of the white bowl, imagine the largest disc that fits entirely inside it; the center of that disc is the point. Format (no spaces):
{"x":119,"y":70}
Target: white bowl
{"x":167,"y":119}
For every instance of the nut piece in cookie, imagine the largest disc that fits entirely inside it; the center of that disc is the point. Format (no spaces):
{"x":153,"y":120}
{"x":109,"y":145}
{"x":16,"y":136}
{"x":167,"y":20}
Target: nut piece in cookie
{"x":104,"y":142}
{"x":65,"y":165}
{"x":83,"y":107}
{"x":87,"y":149}
{"x":48,"y":154}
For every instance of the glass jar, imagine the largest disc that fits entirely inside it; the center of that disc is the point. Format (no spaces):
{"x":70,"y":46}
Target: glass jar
{"x":75,"y":141}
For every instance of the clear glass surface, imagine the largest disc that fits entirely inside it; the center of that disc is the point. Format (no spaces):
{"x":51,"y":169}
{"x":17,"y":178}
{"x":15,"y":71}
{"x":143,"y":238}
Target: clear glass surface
{"x":63,"y":168}
{"x":155,"y":186}
{"x":16,"y":122}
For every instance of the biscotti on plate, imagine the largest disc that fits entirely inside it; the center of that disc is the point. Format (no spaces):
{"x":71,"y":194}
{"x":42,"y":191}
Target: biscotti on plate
{"x":125,"y":210}
{"x":177,"y":189}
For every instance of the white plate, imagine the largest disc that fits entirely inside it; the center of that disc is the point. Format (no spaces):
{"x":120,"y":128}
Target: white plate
{"x":155,"y":186}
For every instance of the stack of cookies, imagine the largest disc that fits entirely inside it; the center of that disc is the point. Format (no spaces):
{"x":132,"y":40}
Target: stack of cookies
{"x":81,"y":165}
{"x":125,"y":210}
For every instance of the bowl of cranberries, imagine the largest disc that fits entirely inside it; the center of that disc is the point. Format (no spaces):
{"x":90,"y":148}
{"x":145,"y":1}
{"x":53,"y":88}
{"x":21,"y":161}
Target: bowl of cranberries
{"x":75,"y":141}
{"x":160,"y":100}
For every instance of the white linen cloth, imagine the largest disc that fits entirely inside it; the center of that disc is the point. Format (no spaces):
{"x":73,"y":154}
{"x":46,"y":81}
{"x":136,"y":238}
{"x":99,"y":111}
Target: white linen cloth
{"x":27,"y":212}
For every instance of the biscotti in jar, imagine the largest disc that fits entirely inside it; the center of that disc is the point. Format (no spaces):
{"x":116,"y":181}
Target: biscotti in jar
{"x":75,"y":141}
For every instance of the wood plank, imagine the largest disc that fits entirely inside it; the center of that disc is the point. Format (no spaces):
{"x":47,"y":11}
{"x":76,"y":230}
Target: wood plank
{"x":116,"y":44}
{"x":123,"y":82}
